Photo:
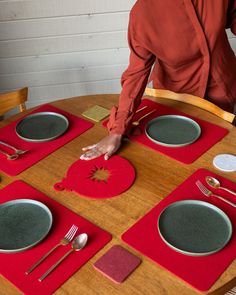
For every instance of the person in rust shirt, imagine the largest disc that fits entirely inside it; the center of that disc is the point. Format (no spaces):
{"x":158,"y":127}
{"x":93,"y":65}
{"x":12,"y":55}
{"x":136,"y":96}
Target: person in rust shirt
{"x":184,"y":46}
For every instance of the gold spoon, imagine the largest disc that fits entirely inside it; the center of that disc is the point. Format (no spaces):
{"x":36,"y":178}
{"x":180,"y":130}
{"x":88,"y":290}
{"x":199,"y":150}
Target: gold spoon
{"x":136,"y":123}
{"x":213,"y":182}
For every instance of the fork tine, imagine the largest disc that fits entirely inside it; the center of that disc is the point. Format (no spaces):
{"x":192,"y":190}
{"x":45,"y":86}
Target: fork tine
{"x":72,"y":233}
{"x":72,"y":230}
{"x":68,"y":233}
{"x":198,"y":183}
{"x":202,"y":188}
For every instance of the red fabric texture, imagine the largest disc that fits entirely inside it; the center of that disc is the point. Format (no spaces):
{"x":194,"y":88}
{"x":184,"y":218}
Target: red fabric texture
{"x":210,"y":134}
{"x":200,"y":272}
{"x":81,"y":177}
{"x":117,"y":264}
{"x":14,"y":265}
{"x":37,"y":151}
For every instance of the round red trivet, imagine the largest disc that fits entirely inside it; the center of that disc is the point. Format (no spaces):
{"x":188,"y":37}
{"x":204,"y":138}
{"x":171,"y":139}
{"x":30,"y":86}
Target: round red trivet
{"x":98,"y":178}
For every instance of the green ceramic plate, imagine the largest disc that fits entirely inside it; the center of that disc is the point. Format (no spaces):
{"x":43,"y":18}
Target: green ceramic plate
{"x":23,"y":224}
{"x":194,"y":227}
{"x":173,"y":130}
{"x":42,"y":126}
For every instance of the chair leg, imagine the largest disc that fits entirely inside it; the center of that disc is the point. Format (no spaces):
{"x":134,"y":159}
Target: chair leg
{"x":22,"y":107}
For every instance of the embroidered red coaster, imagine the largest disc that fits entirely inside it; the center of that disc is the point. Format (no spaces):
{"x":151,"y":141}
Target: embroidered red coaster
{"x":98,"y":178}
{"x":117,"y":264}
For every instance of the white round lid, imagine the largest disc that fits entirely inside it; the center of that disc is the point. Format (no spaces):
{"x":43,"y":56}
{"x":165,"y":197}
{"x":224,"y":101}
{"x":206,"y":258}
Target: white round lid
{"x":225,"y":162}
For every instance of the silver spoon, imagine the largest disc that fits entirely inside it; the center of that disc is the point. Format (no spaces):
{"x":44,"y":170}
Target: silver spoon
{"x":213,"y":182}
{"x":78,"y":243}
{"x":9,"y":157}
{"x":17,"y":151}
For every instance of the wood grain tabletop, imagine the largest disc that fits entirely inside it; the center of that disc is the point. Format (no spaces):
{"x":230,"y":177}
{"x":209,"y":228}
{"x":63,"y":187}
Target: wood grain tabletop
{"x":117,"y":214}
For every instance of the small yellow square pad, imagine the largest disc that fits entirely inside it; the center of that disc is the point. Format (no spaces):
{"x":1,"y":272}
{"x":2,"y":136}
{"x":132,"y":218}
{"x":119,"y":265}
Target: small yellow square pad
{"x":96,"y":113}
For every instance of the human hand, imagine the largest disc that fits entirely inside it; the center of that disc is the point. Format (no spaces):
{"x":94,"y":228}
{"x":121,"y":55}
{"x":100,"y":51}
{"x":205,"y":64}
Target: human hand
{"x":107,"y":147}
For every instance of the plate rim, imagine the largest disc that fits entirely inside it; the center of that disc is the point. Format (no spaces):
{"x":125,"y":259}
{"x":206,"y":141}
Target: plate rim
{"x":31,"y":201}
{"x":204,"y":203}
{"x":37,"y":114}
{"x":186,"y":118}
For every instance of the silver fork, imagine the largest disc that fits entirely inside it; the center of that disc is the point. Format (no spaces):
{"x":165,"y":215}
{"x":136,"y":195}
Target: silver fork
{"x":209,"y":193}
{"x":17,"y":151}
{"x":64,"y":241}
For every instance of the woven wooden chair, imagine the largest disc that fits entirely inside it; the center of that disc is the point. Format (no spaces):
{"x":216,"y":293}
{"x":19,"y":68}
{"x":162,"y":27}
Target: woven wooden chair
{"x":231,"y":292}
{"x":193,"y":100}
{"x":11,"y":100}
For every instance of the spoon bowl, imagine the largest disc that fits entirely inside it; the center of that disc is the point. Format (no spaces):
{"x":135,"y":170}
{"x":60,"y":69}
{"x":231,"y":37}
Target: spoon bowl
{"x":79,"y":242}
{"x":12,"y":157}
{"x":213,"y":182}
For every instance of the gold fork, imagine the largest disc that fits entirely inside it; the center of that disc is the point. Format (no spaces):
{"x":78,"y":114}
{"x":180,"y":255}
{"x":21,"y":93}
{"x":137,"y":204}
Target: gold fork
{"x":209,"y":193}
{"x":64,"y":241}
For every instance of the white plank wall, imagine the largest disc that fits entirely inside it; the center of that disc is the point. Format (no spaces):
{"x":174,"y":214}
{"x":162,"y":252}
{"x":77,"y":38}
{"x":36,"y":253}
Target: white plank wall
{"x":64,"y":48}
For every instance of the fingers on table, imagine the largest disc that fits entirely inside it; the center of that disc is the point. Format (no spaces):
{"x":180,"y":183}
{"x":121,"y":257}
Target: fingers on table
{"x":89,"y":147}
{"x":92,"y":154}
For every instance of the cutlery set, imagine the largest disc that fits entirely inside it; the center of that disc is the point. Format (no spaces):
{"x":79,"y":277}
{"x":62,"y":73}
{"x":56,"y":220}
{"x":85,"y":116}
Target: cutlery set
{"x":77,"y":244}
{"x":16,"y":154}
{"x":214,"y":183}
{"x":135,"y":128}
{"x":137,"y":122}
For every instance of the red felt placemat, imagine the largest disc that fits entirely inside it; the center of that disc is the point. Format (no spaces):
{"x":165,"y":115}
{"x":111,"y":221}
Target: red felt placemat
{"x":98,"y":178}
{"x":14,"y":265}
{"x":39,"y":150}
{"x":210,"y":134}
{"x":200,"y":272}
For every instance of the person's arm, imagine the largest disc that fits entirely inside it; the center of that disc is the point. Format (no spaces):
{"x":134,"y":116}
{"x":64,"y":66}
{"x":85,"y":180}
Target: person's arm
{"x":231,"y":18}
{"x":133,"y":81}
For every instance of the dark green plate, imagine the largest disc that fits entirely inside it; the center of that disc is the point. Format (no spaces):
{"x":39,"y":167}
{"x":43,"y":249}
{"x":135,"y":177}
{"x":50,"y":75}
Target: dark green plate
{"x":173,"y":130}
{"x":42,"y":126}
{"x":23,"y":224}
{"x":194,"y":227}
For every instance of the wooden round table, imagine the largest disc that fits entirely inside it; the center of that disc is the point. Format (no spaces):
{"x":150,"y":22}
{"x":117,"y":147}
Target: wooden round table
{"x":116,"y":215}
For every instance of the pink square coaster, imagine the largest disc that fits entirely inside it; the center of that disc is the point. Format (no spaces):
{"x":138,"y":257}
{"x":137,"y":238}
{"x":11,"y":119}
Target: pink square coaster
{"x":117,"y":263}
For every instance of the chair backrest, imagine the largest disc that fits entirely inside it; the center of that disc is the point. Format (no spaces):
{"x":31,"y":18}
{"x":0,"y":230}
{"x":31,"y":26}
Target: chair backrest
{"x":193,"y":100}
{"x":12,"y":100}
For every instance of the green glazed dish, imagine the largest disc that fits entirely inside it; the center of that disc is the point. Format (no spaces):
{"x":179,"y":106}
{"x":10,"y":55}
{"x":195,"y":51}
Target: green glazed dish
{"x":194,"y":227}
{"x":23,"y":224}
{"x":42,"y":126}
{"x":173,"y":130}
